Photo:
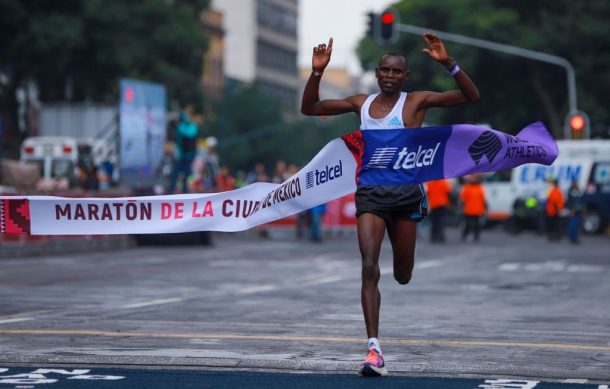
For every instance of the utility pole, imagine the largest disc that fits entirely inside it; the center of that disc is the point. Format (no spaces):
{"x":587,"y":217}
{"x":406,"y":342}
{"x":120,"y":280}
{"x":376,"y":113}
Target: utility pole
{"x":518,"y":51}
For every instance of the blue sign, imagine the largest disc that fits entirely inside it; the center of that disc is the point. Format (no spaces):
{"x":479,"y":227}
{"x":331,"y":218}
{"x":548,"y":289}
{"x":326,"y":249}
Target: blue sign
{"x":142,"y":127}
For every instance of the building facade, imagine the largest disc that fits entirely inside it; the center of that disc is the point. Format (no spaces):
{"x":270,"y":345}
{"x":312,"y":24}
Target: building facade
{"x":260,"y":46}
{"x":212,"y":77}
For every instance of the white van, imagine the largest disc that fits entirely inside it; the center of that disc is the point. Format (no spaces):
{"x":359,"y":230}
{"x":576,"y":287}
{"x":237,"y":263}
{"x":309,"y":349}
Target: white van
{"x":577,"y":160}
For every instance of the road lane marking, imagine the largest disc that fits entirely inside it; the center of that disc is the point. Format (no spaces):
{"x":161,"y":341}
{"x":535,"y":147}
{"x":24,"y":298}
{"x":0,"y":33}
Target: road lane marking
{"x":258,"y":288}
{"x":152,"y":302}
{"x":15,"y":320}
{"x":287,"y":338}
{"x":502,"y":383}
{"x":428,"y":264}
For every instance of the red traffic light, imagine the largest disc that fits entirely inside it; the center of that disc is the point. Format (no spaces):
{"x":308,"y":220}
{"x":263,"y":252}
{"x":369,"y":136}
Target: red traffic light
{"x":387,"y":18}
{"x":577,"y":122}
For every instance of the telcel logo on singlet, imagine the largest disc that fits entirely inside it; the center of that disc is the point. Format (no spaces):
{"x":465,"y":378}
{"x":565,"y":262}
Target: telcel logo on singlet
{"x":412,"y":159}
{"x":383,"y":156}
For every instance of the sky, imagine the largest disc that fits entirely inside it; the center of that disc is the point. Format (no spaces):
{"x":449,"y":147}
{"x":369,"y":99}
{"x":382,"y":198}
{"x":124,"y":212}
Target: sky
{"x":344,"y":20}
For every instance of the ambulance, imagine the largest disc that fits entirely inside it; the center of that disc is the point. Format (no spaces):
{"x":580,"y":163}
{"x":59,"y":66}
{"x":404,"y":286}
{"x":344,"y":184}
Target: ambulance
{"x":57,"y":156}
{"x":586,"y":161}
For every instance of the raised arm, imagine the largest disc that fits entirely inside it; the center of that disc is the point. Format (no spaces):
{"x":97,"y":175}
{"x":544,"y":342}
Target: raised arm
{"x":468,"y":91}
{"x":311,"y":104}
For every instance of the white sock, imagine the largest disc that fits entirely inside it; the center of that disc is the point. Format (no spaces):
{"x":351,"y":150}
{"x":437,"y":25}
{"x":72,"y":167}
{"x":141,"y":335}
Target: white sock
{"x":374,"y":342}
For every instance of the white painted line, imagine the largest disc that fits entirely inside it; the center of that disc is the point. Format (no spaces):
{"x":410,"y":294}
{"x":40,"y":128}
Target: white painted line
{"x":326,"y":280}
{"x":602,"y":387}
{"x":575,"y":381}
{"x":258,"y":288}
{"x":3,"y":370}
{"x":508,"y":384}
{"x":153,"y":302}
{"x":428,"y":264}
{"x":509,"y":267}
{"x":584,"y":269}
{"x":303,"y":281}
{"x":16,"y":320}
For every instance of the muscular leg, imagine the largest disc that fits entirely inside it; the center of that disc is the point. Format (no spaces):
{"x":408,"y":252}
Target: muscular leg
{"x":402,"y":234}
{"x":371,"y":229}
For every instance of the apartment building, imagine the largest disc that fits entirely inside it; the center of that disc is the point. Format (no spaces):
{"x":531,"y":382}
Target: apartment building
{"x":260,"y":46}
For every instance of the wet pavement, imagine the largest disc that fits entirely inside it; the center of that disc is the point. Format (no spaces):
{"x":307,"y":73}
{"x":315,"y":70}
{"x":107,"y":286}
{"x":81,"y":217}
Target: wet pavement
{"x":509,"y":306}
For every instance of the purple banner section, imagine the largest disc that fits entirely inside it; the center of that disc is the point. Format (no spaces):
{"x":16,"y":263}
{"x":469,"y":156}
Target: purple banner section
{"x":474,"y":149}
{"x":415,"y":155}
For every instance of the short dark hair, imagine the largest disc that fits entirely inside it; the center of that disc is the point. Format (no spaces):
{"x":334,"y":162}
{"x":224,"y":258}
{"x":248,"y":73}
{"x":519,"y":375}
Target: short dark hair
{"x":393,"y":54}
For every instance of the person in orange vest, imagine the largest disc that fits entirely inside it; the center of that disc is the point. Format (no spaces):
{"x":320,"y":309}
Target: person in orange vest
{"x":438,"y":192}
{"x":554,"y":205}
{"x":224,"y":180}
{"x":474,"y":206}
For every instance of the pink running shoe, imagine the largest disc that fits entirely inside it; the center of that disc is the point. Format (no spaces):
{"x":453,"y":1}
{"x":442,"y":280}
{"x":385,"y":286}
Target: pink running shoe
{"x":373,"y":365}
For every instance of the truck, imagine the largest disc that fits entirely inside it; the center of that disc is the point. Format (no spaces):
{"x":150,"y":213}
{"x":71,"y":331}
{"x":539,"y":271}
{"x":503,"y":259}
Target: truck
{"x":584,"y":161}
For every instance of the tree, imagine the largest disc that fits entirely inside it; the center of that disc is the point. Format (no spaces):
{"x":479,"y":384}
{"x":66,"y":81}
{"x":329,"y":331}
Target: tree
{"x":77,"y":50}
{"x":514,"y":90}
{"x":250,"y":128}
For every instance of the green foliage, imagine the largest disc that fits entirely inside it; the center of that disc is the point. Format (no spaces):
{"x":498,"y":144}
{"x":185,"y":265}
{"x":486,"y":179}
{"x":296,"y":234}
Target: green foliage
{"x":514,"y":90}
{"x":250,"y":128}
{"x":86,"y":46}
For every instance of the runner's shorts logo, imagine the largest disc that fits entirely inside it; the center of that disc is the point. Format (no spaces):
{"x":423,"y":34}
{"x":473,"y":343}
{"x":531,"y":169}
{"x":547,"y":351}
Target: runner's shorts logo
{"x":487,"y":144}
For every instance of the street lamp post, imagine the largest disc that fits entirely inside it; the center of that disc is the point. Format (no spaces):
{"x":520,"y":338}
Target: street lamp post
{"x":485,"y":44}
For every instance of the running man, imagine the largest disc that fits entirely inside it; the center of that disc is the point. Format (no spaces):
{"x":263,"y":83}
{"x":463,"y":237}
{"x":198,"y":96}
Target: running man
{"x":395,"y":209}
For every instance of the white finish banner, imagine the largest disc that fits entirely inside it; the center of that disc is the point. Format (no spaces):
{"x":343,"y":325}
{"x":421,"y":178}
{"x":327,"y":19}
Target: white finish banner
{"x":330,"y":175}
{"x":374,"y":157}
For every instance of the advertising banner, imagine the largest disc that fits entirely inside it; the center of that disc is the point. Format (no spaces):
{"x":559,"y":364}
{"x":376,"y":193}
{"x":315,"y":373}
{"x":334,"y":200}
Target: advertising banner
{"x":370,"y":157}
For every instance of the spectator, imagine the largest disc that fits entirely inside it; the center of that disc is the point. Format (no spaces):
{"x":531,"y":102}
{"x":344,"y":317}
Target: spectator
{"x":240,"y":179}
{"x":575,"y":205}
{"x":224,"y":180}
{"x":185,"y":150}
{"x":88,"y":174}
{"x":280,"y":174}
{"x":439,"y":192}
{"x":554,"y":206}
{"x":315,"y":227}
{"x":473,"y":200}
{"x":166,"y":166}
{"x":259,"y":174}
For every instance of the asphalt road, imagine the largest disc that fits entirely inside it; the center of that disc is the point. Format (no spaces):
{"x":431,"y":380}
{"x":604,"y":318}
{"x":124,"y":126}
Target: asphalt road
{"x":508,"y":307}
{"x":117,"y":378}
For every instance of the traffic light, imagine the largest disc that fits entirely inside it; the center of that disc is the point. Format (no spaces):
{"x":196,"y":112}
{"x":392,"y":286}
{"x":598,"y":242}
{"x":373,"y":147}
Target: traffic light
{"x":578,"y":125}
{"x":371,"y":19}
{"x":389,"y":19}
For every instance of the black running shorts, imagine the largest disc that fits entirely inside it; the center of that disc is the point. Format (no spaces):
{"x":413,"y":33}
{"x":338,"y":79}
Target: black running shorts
{"x":403,"y":202}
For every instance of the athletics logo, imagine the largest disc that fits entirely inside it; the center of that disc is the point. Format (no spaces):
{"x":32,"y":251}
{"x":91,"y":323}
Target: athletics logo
{"x":487,"y":144}
{"x":381,"y":157}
